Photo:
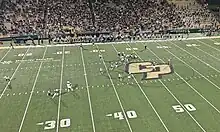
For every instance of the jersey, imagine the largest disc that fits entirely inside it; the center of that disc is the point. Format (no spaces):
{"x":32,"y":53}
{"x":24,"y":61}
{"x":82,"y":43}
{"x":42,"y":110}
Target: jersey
{"x":69,"y":85}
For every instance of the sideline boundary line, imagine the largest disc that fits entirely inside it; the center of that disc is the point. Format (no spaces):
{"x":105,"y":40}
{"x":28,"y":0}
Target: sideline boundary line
{"x":120,"y":42}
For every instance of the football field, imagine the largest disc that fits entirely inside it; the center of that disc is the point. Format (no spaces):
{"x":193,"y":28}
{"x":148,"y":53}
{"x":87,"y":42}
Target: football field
{"x":187,"y":100}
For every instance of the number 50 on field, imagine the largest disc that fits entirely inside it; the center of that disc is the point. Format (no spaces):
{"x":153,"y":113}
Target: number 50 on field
{"x":180,"y":109}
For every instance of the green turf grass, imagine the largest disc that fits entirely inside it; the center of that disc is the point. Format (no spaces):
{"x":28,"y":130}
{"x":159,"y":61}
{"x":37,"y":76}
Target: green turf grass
{"x":195,"y":83}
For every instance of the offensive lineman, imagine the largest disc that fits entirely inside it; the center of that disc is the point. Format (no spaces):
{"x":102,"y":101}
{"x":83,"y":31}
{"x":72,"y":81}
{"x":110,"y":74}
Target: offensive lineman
{"x":7,"y":78}
{"x":69,"y":86}
{"x":101,"y":70}
{"x":56,"y":93}
{"x":120,"y":77}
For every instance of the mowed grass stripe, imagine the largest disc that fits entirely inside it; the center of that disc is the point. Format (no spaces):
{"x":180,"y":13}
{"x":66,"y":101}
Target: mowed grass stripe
{"x":201,"y":102}
{"x":87,"y":87}
{"x":4,"y":54}
{"x":75,"y":103}
{"x":196,"y":125}
{"x":114,"y":88}
{"x":209,"y":60}
{"x":60,"y":88}
{"x":211,"y":49}
{"x":42,"y":107}
{"x":102,"y":94}
{"x":32,"y":91}
{"x":146,"y":97}
{"x":195,"y":65}
{"x":207,"y":64}
{"x":12,"y":76}
{"x":13,"y":108}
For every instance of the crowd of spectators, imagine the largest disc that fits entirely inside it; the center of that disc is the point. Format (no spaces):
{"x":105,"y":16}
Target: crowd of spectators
{"x":120,"y":16}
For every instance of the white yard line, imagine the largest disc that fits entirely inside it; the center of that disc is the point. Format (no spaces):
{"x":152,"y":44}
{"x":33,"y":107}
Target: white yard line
{"x":187,"y":83}
{"x":196,"y":57}
{"x":209,"y":45}
{"x":61,"y":84}
{"x":178,"y":101}
{"x":116,"y":93}
{"x":13,"y":74}
{"x":183,"y":106}
{"x":32,"y":91}
{"x":88,"y":93}
{"x":208,"y":53}
{"x":193,"y":69}
{"x":155,"y":111}
{"x":5,"y":54}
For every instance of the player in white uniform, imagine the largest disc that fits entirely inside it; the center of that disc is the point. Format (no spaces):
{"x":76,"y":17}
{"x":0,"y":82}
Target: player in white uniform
{"x":56,"y":93}
{"x":69,"y":86}
{"x":129,"y":77}
{"x":120,"y":77}
{"x":7,"y":78}
{"x":111,"y":67}
{"x":101,"y":70}
{"x":100,"y":56}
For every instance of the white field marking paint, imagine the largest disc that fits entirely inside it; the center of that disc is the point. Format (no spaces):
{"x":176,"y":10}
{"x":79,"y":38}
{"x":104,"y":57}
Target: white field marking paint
{"x":217,"y":43}
{"x":196,"y":57}
{"x":178,"y":102}
{"x":208,"y":53}
{"x":88,"y":93}
{"x":32,"y":91}
{"x":116,"y":93}
{"x":187,"y":83}
{"x":146,"y":95}
{"x":183,"y":107}
{"x":13,"y":74}
{"x":194,"y":70}
{"x":209,"y":45}
{"x":5,"y":54}
{"x":61,"y":83}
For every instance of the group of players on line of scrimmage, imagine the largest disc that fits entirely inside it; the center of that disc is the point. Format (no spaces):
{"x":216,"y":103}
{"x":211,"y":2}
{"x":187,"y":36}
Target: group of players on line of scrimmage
{"x":52,"y":94}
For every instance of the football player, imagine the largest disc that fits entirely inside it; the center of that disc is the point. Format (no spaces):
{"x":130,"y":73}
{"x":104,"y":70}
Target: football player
{"x":7,"y":78}
{"x":69,"y":86}
{"x":120,"y":77}
{"x":101,"y":70}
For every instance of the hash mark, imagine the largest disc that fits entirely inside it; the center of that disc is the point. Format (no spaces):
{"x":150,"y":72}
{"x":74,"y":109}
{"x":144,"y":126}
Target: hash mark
{"x":41,"y":123}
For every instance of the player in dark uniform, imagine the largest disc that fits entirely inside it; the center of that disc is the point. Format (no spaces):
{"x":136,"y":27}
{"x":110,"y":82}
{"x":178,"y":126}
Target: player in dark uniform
{"x":11,"y":45}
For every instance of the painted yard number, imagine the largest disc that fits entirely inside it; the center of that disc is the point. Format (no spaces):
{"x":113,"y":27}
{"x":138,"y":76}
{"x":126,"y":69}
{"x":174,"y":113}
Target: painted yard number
{"x":192,"y":45}
{"x":52,"y":124}
{"x":130,"y":115}
{"x":60,"y":52}
{"x":179,"y":109}
{"x":162,"y":47}
{"x":217,"y":43}
{"x":96,"y":51}
{"x":28,"y":54}
{"x":6,"y":62}
{"x":129,"y":49}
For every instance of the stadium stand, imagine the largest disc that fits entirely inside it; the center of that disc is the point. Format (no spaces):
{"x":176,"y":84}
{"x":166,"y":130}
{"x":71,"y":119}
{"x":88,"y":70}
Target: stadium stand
{"x":121,"y":17}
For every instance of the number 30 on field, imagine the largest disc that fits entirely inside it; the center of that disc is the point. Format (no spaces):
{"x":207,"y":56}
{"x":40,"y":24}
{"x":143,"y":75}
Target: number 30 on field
{"x":52,"y":124}
{"x":179,"y":109}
